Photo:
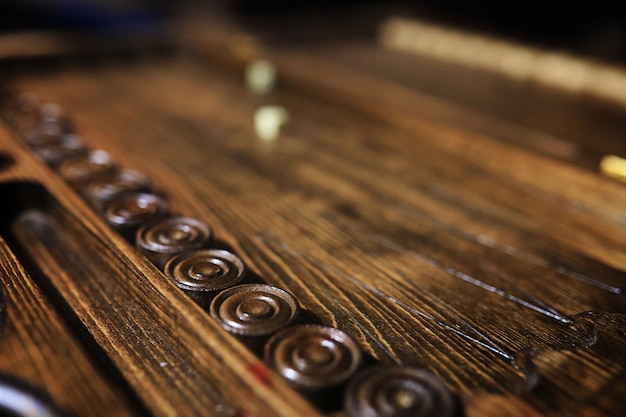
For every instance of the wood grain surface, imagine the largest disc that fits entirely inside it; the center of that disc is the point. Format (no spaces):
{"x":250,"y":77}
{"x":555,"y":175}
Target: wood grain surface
{"x":38,"y":348}
{"x":177,"y":360}
{"x":498,"y":268}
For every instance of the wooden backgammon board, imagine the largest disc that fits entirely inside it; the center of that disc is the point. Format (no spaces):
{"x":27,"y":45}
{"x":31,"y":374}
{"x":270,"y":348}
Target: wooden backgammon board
{"x":389,"y":250}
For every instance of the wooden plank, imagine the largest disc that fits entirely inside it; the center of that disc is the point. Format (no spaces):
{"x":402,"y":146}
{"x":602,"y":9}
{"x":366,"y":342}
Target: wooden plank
{"x":177,"y":360}
{"x":430,"y":244}
{"x":37,"y":347}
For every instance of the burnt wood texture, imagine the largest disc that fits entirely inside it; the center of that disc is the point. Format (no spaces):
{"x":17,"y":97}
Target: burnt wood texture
{"x":499,"y":269}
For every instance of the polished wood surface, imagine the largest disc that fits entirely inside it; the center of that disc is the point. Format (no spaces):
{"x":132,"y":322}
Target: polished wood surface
{"x":498,"y":268}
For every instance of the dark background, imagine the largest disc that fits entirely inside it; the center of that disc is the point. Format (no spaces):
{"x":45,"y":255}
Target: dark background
{"x":592,"y":29}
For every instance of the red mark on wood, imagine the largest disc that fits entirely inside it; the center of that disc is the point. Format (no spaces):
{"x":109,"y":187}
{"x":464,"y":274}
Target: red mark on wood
{"x":260,"y":372}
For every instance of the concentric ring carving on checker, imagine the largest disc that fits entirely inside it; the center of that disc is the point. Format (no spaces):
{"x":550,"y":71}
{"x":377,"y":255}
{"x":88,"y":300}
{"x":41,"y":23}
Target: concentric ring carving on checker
{"x":81,"y":169}
{"x":106,"y":187}
{"x":165,"y":239}
{"x":313,"y":357}
{"x":128,"y":212}
{"x":47,"y":130}
{"x":316,"y":360}
{"x":254,"y":310}
{"x":54,"y":152}
{"x":383,"y":391}
{"x":203,"y":273}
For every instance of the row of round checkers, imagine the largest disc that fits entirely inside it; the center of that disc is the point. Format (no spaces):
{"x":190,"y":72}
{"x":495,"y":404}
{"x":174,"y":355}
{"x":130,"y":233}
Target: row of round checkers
{"x":321,"y":362}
